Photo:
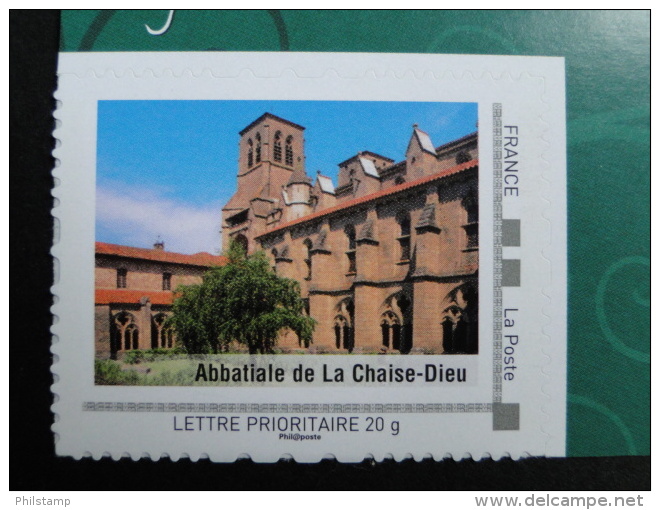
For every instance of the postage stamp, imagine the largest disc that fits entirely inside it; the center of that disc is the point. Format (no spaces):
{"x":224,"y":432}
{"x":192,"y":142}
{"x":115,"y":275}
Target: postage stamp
{"x":273,"y":254}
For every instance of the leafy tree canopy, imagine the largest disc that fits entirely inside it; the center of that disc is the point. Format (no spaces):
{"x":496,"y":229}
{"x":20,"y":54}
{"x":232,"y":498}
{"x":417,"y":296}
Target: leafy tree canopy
{"x":242,"y":301}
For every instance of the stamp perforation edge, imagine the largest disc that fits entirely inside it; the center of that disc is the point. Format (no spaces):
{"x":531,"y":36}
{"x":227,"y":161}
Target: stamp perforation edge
{"x":496,"y":378}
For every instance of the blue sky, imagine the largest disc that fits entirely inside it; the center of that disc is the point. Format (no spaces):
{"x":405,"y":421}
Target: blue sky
{"x":166,"y":168}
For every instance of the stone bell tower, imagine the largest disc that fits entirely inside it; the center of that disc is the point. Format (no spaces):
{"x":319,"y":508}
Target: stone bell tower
{"x":271,"y":150}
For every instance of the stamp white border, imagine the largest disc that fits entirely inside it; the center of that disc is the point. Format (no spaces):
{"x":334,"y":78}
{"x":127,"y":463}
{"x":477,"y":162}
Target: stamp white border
{"x":491,"y":418}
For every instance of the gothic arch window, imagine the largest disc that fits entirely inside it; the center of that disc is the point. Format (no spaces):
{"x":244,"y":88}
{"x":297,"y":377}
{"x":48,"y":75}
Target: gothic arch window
{"x":350,"y":253}
{"x":308,"y":258}
{"x":121,"y":278}
{"x":288,"y":151}
{"x":131,"y":337}
{"x":250,"y":154}
{"x":397,"y":315}
{"x":405,"y":305}
{"x":460,"y":326}
{"x":242,"y":242}
{"x":403,"y":219}
{"x":162,"y":336}
{"x":343,"y":333}
{"x":461,"y":335}
{"x":156,"y":328}
{"x":390,"y":326}
{"x":257,"y":151}
{"x":455,"y":333}
{"x":277,"y":146}
{"x":448,"y":336}
{"x":124,"y":334}
{"x":339,"y":323}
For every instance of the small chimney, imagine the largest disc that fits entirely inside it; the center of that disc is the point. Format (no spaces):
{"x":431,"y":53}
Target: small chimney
{"x":159,"y":244}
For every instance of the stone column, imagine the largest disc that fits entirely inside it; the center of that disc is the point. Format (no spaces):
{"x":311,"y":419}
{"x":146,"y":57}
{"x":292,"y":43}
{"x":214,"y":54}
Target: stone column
{"x":321,"y":307}
{"x":321,"y":304}
{"x":284,"y":260}
{"x":323,"y":269}
{"x":367,"y":331}
{"x":427,"y":329}
{"x":102,"y":331}
{"x":367,"y":256}
{"x":143,"y":319}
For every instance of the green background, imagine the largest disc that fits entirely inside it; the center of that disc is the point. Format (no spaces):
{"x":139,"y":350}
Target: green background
{"x":608,"y":111}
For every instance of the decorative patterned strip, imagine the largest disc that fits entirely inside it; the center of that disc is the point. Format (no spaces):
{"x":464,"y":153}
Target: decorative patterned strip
{"x":183,"y":407}
{"x":497,"y":252}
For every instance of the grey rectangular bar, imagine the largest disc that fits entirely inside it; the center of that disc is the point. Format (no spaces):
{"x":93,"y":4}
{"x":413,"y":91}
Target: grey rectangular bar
{"x":510,"y":232}
{"x":506,"y":416}
{"x":510,"y":272}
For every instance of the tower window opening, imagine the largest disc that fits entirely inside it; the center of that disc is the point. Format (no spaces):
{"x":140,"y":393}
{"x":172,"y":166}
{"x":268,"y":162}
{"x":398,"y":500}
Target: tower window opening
{"x":167,"y":281}
{"x":250,"y":154}
{"x":277,"y":147}
{"x":288,"y":151}
{"x":237,"y":219}
{"x":258,"y":148}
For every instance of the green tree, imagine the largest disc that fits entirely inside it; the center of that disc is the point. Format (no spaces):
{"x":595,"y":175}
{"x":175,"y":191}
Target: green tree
{"x":243,"y":301}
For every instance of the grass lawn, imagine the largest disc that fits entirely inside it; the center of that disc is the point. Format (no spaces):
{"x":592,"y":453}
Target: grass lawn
{"x":162,"y":371}
{"x":166,"y":371}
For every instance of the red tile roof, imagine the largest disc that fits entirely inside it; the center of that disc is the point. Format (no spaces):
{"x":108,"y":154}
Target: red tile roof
{"x":123,"y":296}
{"x":378,"y":194}
{"x":198,"y":259}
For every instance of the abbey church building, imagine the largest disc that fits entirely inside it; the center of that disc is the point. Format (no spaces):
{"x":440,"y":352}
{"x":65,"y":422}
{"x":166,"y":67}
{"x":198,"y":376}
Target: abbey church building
{"x":387,"y":260}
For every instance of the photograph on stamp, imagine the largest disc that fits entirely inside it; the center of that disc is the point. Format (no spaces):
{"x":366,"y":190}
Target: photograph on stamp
{"x":281,"y":228}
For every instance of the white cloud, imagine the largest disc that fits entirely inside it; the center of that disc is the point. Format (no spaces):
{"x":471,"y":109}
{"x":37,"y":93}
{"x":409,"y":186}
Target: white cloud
{"x":137,"y":217}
